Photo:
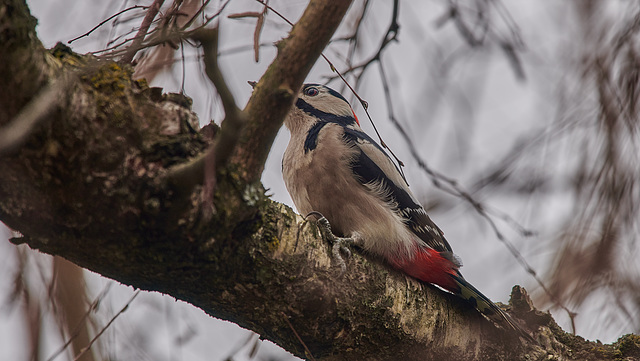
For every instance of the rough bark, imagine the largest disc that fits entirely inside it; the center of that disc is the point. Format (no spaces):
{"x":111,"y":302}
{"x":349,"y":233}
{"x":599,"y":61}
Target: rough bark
{"x":89,"y":184}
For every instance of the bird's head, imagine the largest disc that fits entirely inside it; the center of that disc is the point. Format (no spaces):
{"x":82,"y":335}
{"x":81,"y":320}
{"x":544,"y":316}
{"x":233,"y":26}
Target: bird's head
{"x":319,"y":103}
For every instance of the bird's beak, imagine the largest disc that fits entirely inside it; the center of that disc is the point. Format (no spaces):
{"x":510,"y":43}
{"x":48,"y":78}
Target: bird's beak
{"x":252,"y":83}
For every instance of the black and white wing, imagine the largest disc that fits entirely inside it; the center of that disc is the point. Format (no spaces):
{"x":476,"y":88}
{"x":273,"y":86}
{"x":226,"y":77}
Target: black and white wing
{"x":372,"y":166}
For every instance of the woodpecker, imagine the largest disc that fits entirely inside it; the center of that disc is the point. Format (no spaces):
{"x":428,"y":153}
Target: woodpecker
{"x":332,"y":167}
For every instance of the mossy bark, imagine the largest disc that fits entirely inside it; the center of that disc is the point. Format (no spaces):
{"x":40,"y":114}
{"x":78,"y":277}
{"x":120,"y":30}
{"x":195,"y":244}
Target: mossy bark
{"x":90,"y":185}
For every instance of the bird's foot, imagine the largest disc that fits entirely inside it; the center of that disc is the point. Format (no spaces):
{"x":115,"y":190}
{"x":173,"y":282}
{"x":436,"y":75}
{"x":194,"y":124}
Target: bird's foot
{"x":338,"y":243}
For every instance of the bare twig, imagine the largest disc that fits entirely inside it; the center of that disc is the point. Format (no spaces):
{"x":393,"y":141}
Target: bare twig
{"x":266,"y":5}
{"x":107,"y":20}
{"x":76,"y":331}
{"x":242,"y":345}
{"x":209,"y":40}
{"x":481,"y":30}
{"x":176,"y":20}
{"x":146,"y":23}
{"x":200,"y":10}
{"x":390,"y":35}
{"x":202,"y":169}
{"x":113,"y":47}
{"x":95,"y":338}
{"x":354,"y":38}
{"x":234,"y":120}
{"x":170,"y":36}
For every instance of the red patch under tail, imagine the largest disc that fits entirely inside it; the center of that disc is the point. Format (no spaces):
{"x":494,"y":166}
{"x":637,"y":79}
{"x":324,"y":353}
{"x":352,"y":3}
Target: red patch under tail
{"x":431,"y":266}
{"x":441,"y":269}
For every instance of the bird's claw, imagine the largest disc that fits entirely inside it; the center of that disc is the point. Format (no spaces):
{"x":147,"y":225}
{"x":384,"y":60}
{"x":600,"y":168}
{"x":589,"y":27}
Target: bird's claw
{"x":338,"y":243}
{"x":341,"y":244}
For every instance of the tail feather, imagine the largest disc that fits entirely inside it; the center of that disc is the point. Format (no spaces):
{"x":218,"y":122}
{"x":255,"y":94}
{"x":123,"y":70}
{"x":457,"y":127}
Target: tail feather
{"x":483,"y":304}
{"x":441,"y":269}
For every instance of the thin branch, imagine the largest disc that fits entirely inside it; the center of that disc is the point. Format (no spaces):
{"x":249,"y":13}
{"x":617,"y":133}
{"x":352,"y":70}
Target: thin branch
{"x":482,"y":31}
{"x":390,"y":35}
{"x":115,"y":47}
{"x":209,"y":40}
{"x":234,"y":120}
{"x":146,"y":23}
{"x":260,"y":16}
{"x":242,"y":345}
{"x":266,"y":5}
{"x":76,"y":331}
{"x":353,"y":39}
{"x":107,"y":20}
{"x":94,"y":339}
{"x":170,"y":37}
{"x":200,"y":10}
{"x":202,"y":169}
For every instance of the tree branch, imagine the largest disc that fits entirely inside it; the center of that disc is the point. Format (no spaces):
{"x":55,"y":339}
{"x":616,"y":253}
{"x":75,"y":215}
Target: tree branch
{"x":88,"y":186}
{"x":144,"y":28}
{"x":234,"y":118}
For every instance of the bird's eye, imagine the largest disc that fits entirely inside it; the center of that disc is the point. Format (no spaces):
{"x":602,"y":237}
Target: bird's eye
{"x":312,"y":92}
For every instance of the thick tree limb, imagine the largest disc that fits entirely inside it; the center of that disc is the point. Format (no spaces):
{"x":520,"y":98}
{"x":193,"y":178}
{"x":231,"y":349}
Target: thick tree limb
{"x":89,"y":186}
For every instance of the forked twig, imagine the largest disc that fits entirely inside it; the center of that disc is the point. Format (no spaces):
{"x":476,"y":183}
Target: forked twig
{"x":106,"y":21}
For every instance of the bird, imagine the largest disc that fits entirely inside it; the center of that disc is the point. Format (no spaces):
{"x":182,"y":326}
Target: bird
{"x":333,"y":169}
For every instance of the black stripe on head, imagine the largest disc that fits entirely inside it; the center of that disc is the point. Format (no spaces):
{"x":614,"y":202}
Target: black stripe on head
{"x":344,"y":120}
{"x":311,"y":141}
